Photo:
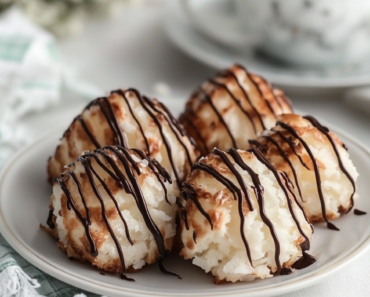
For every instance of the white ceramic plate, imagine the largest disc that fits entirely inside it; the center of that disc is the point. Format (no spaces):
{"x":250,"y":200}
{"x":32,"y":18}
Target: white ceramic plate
{"x":24,"y":199}
{"x":183,"y":35}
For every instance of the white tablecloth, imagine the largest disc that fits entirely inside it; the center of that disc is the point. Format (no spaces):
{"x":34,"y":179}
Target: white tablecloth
{"x":132,"y":50}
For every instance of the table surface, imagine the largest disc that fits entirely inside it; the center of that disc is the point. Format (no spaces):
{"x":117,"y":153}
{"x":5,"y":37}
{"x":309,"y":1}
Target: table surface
{"x":132,"y":50}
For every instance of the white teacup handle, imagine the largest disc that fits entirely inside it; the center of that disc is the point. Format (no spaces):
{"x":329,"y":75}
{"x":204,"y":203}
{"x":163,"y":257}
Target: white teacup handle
{"x":225,"y":29}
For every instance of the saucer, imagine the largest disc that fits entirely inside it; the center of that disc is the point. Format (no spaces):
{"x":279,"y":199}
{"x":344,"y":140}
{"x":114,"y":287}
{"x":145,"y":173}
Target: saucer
{"x":181,"y":32}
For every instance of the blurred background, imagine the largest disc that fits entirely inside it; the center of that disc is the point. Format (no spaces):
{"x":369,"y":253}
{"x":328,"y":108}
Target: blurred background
{"x":315,"y":51}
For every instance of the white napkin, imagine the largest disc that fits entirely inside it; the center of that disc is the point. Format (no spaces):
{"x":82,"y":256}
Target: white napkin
{"x":31,"y":77}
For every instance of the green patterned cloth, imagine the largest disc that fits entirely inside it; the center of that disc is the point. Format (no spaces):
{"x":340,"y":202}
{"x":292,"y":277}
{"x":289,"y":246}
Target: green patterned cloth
{"x":30,"y":79}
{"x":18,"y":278}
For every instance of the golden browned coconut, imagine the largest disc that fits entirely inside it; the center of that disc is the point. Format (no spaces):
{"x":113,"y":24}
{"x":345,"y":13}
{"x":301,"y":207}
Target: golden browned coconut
{"x":131,"y":120}
{"x":241,"y":220}
{"x":317,"y":163}
{"x":232,"y":107}
{"x":114,"y":208}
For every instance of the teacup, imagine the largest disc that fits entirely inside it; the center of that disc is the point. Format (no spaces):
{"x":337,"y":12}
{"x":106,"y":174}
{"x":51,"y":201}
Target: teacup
{"x":303,"y":32}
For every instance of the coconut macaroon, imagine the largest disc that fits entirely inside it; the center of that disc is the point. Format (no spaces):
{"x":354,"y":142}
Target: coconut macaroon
{"x":131,"y":120}
{"x":114,"y":208}
{"x":317,"y":163}
{"x":232,"y":107}
{"x":241,"y":220}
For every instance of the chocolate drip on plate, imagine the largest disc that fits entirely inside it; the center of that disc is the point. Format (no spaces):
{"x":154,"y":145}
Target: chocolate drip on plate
{"x":286,"y":271}
{"x":358,"y":212}
{"x":165,"y":271}
{"x":305,"y":261}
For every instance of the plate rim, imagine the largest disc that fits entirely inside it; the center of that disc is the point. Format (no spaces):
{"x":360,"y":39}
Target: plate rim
{"x":217,"y":62}
{"x":113,"y":290}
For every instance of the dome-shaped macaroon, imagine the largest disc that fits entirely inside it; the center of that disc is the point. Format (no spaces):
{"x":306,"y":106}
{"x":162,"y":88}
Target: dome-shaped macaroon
{"x":232,"y":107}
{"x":114,"y":208}
{"x":131,"y":120}
{"x":240,"y":220}
{"x":316,"y":162}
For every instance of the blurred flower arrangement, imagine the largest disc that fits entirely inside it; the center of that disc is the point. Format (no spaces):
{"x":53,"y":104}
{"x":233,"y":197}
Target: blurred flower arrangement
{"x":65,"y":17}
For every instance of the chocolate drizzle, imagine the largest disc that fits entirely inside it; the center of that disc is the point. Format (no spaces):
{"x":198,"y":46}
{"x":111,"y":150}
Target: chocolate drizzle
{"x":263,"y":160}
{"x":158,"y":170}
{"x":88,"y":132}
{"x":223,"y":86}
{"x":220,"y":118}
{"x":316,"y":169}
{"x":71,"y":173}
{"x":282,"y":154}
{"x":50,"y":222}
{"x":84,"y":222}
{"x":188,"y":192}
{"x":144,"y":103}
{"x":127,"y":179}
{"x":195,"y":236}
{"x":326,"y":131}
{"x":134,"y":117}
{"x":90,"y":172}
{"x":239,"y":191}
{"x":246,"y":96}
{"x":155,"y":110}
{"x":249,"y":109}
{"x":252,"y":78}
{"x":258,"y":191}
{"x":107,"y":109}
{"x":241,"y":182}
{"x":174,"y":126}
{"x":290,"y":142}
{"x":185,"y":119}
